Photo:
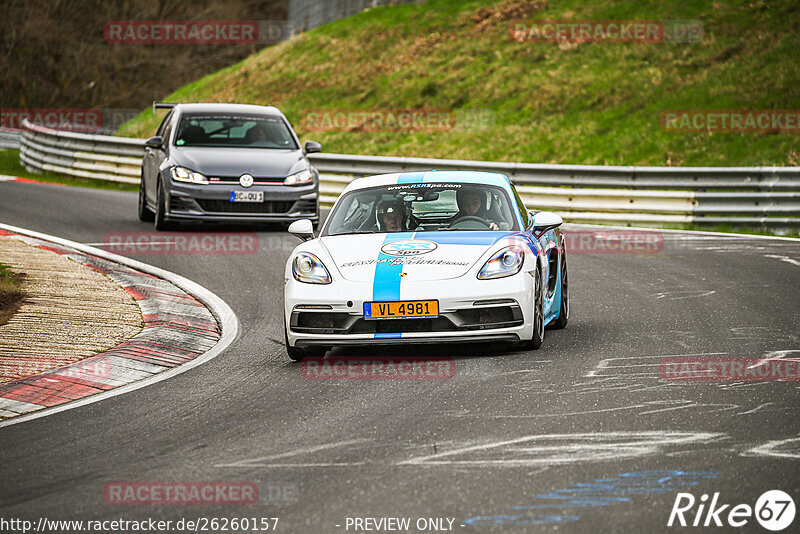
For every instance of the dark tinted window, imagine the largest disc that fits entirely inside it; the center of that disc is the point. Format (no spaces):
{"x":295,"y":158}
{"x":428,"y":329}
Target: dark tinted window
{"x":240,"y":131}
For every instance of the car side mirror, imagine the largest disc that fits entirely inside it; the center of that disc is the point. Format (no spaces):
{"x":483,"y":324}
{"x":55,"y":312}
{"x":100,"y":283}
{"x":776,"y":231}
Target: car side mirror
{"x":303,"y":229}
{"x":546,"y":220}
{"x":155,"y":142}
{"x":311,"y":147}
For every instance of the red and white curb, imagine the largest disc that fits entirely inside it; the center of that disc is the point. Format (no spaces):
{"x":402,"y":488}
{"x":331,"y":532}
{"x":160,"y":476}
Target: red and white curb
{"x":186,"y":325}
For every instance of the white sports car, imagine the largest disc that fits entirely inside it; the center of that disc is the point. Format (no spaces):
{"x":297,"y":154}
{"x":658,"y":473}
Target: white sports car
{"x":425,"y":257}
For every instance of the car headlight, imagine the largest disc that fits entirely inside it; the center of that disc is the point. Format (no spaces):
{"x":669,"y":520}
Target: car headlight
{"x":182,"y":174}
{"x":302,"y":177}
{"x":309,"y":269}
{"x":505,"y":262}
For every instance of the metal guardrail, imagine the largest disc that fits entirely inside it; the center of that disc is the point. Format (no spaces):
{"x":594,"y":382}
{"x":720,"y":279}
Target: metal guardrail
{"x":9,"y":138}
{"x":739,"y":196}
{"x":101,"y":157}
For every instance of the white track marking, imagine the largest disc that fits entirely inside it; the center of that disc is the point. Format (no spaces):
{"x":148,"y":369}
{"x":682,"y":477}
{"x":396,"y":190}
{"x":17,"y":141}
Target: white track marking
{"x":227,"y":320}
{"x":603,"y":365}
{"x":774,"y":355}
{"x":554,"y":449}
{"x":681,"y":295}
{"x":7,"y":178}
{"x":784,"y":259}
{"x":757,"y":408}
{"x":769,"y":449}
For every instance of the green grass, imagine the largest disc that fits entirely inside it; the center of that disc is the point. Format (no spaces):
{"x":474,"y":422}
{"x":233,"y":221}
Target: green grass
{"x":10,"y":166}
{"x":11,"y":293}
{"x":596,"y":103}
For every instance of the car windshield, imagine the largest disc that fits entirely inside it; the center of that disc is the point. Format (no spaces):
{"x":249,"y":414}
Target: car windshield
{"x":238,"y":131}
{"x":423,"y":207}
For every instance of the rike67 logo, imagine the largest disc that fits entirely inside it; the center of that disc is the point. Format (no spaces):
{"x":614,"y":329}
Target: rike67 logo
{"x":774,"y":511}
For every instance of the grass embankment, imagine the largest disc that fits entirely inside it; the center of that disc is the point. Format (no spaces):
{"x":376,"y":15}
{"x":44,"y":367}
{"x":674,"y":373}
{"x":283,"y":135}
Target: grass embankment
{"x":10,"y":166}
{"x":591,"y":103}
{"x":11,"y":293}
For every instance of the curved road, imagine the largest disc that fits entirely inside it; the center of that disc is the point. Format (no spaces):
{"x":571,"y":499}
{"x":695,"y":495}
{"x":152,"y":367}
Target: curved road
{"x":583,"y":432}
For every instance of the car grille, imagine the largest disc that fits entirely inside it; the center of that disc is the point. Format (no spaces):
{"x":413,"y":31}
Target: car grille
{"x":481,"y":318}
{"x":256,"y":179}
{"x":306,"y":206}
{"x":226,"y":206}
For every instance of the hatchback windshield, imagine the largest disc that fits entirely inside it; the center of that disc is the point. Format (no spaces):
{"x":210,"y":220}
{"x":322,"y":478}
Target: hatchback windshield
{"x":239,"y":131}
{"x":425,"y":207}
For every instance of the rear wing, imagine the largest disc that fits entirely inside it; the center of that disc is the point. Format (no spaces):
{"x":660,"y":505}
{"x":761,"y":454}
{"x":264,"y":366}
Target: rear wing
{"x":162,"y":105}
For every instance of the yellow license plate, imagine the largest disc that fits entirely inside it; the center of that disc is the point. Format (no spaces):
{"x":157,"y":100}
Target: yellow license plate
{"x":401,"y":309}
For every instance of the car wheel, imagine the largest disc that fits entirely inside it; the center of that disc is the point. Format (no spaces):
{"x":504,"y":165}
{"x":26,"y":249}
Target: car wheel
{"x":538,"y":315}
{"x":563,"y":315}
{"x":293,"y":352}
{"x":161,"y":210}
{"x":145,"y":213}
{"x":298,"y":354}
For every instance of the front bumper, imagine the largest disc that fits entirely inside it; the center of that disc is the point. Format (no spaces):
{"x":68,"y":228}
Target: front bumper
{"x":469,"y":311}
{"x":211,"y":202}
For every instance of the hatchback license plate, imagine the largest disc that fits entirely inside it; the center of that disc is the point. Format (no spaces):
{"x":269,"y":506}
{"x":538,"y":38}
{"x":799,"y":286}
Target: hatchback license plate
{"x":247,"y":196}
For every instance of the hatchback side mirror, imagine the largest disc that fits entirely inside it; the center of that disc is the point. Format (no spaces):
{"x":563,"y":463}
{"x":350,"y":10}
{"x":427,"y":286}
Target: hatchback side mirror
{"x":311,"y":147}
{"x":155,"y":142}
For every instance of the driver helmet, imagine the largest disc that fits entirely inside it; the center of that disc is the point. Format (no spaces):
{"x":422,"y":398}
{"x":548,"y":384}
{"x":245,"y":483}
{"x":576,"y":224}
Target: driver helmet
{"x":389,"y":206}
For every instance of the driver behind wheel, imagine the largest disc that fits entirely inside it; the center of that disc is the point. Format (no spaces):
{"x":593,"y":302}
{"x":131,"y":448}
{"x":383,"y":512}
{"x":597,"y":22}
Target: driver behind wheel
{"x":470,"y":204}
{"x":390,"y":216}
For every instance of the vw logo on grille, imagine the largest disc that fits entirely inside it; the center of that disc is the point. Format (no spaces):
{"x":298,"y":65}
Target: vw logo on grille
{"x":408,"y":247}
{"x":246,"y":180}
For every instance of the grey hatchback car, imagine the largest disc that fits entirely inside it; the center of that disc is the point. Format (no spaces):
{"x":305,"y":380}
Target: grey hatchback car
{"x":227,"y":163}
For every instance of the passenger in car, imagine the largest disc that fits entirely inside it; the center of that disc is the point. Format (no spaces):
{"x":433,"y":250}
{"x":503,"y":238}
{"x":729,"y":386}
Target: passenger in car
{"x":471,"y":203}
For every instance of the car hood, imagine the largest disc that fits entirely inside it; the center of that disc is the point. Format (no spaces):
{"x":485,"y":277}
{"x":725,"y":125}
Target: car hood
{"x":420,"y":256}
{"x":259,"y":162}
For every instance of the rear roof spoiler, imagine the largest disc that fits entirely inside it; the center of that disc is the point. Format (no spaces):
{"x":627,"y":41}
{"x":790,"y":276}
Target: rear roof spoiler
{"x":162,"y":105}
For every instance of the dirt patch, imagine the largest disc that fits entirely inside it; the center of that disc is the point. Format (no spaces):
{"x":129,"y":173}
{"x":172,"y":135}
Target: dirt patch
{"x":486,"y":17}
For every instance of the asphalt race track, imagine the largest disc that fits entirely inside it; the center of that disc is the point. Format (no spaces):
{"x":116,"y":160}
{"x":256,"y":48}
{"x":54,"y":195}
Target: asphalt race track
{"x":583,"y":435}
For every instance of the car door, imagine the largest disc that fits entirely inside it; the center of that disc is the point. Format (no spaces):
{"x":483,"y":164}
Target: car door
{"x":154,"y":158}
{"x":548,"y":246}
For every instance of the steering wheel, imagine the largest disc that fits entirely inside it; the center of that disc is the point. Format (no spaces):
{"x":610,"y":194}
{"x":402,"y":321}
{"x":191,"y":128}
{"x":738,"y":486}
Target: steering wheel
{"x":470,"y":218}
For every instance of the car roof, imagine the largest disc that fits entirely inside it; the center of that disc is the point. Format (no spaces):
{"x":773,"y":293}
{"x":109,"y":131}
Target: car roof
{"x":202,"y":107}
{"x":463,"y":177}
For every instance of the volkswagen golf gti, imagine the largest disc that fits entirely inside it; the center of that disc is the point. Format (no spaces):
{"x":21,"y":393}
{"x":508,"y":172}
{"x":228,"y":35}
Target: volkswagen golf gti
{"x":227,"y":163}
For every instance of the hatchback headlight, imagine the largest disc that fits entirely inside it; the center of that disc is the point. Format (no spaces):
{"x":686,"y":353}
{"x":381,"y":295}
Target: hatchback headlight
{"x":505,"y":262}
{"x":302,"y":177}
{"x":309,"y":269}
{"x":182,"y":174}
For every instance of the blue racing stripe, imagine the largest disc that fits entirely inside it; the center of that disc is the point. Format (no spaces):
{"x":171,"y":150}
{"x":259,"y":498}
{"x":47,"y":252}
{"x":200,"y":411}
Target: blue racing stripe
{"x":388,"y":336}
{"x":410,"y":178}
{"x":463,"y":238}
{"x":386,"y":283}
